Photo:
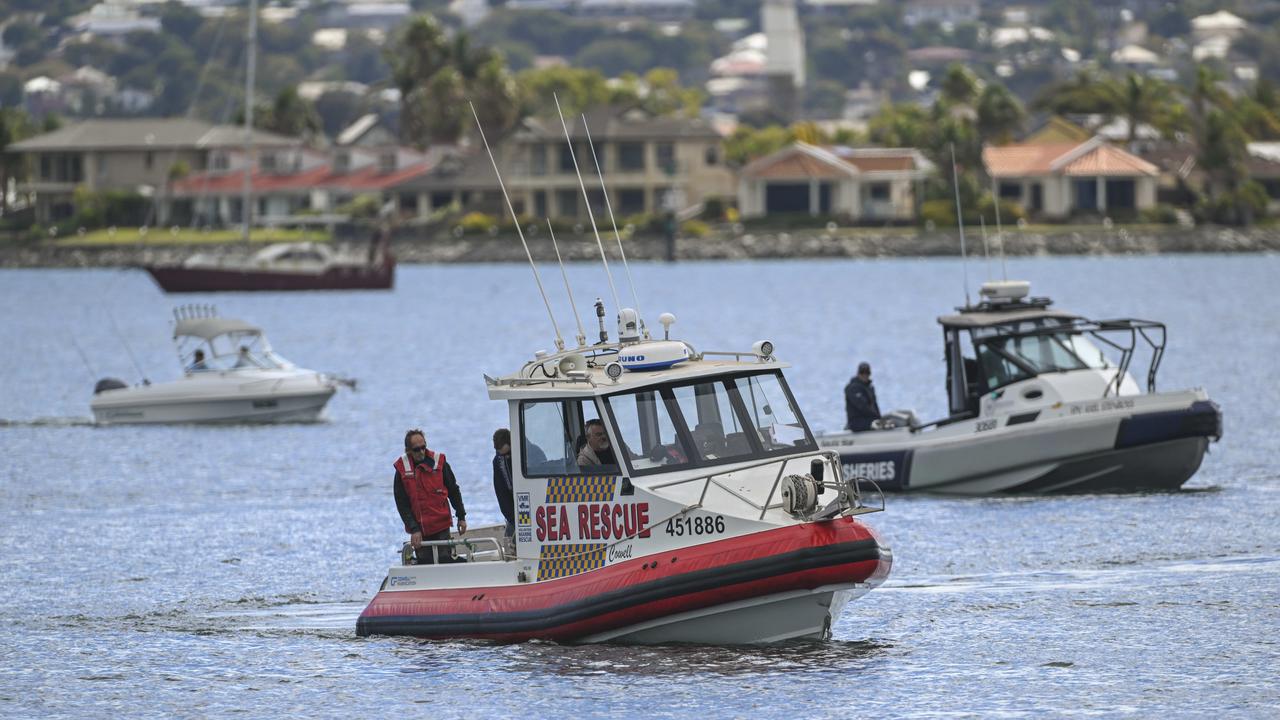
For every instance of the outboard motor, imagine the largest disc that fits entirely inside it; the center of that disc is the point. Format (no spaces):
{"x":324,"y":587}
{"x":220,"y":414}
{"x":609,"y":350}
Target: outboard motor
{"x":108,"y":384}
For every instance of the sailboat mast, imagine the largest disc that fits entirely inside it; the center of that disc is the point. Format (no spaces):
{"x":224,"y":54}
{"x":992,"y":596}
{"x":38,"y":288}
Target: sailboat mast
{"x":250,"y":79}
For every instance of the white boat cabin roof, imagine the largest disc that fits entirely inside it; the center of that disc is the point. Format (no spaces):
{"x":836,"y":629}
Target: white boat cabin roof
{"x":546,"y":377}
{"x":208,"y":328}
{"x":995,"y":316}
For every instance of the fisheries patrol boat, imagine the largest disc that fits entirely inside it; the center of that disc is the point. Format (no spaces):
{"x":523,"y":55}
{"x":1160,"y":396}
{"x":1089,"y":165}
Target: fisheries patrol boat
{"x":240,"y":379}
{"x":1038,"y":407}
{"x":717,"y":520}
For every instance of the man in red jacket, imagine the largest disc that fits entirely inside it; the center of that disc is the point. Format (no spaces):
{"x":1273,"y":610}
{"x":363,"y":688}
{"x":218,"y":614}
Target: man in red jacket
{"x":425,"y":488}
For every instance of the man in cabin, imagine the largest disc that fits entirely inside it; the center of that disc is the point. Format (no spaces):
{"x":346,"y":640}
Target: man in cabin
{"x":860,"y":404}
{"x":425,"y":488}
{"x":503,"y":487}
{"x":197,"y":362}
{"x":597,"y":452}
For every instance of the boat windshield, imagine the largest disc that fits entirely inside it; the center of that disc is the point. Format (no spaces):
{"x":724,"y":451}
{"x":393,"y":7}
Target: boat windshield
{"x":235,"y":351}
{"x":708,"y":422}
{"x":1016,"y":351}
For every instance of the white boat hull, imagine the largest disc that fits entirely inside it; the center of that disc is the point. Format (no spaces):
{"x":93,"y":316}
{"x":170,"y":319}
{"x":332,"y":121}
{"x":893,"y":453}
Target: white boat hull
{"x":797,"y":615}
{"x":244,"y":397}
{"x":1148,"y":442}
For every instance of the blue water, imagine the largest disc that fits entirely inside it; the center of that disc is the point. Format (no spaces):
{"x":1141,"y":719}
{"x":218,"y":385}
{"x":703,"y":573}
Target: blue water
{"x":193,"y":571}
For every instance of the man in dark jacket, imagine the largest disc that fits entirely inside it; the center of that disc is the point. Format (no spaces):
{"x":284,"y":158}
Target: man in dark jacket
{"x":423,"y":482}
{"x":503,"y":487}
{"x":860,"y":404}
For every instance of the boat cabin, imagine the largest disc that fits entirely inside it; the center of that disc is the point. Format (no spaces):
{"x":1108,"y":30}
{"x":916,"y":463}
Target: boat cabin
{"x":1009,"y":338}
{"x":226,"y":344}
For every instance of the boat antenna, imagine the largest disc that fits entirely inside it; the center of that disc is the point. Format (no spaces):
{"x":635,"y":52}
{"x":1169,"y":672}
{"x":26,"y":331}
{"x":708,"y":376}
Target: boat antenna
{"x":614,"y":221}
{"x":986,"y":255}
{"x":128,"y":350}
{"x":83,"y":357}
{"x":585,"y":198}
{"x":582,"y":334}
{"x":515,"y":218}
{"x":1004,"y":271}
{"x":250,"y":78}
{"x":964,"y":255}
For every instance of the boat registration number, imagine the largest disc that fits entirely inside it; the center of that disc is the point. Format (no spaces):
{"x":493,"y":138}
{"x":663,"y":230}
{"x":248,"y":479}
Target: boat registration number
{"x":985,"y":425}
{"x":697,"y":525}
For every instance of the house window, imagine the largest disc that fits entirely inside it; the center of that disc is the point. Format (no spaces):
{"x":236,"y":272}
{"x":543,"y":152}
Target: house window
{"x":712,"y":155}
{"x":631,"y":157}
{"x":1272,"y":186}
{"x":667,"y":157}
{"x":567,"y":203}
{"x":220,"y":161}
{"x":409,"y":203}
{"x":441,"y":199}
{"x":387,"y":162}
{"x":566,"y":159}
{"x":538,"y":160}
{"x":342,"y":162}
{"x":1011,"y":191}
{"x":1121,"y":195}
{"x":631,"y":201}
{"x":540,"y":201}
{"x":267,"y":163}
{"x":878,"y":192}
{"x":149,"y":160}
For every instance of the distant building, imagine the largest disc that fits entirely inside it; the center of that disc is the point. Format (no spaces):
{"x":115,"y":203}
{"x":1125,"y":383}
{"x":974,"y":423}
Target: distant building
{"x":784,"y":68}
{"x":943,"y":12}
{"x":1057,"y":181}
{"x":135,"y":155}
{"x":863,"y":184}
{"x":652,"y":165}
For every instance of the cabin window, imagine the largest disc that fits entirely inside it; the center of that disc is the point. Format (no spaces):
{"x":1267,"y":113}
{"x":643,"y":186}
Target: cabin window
{"x":646,"y":430}
{"x":714,"y":424}
{"x":708,"y":422}
{"x":553,"y":434}
{"x":773,"y":413}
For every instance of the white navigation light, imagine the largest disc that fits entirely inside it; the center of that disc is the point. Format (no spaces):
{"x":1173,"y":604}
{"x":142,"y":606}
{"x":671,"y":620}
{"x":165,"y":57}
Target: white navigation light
{"x":763,"y":349}
{"x":666,"y":320}
{"x":613,"y":370}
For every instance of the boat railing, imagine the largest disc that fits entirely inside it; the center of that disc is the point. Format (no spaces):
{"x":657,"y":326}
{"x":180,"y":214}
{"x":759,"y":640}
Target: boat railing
{"x":468,"y":545}
{"x":832,"y":459}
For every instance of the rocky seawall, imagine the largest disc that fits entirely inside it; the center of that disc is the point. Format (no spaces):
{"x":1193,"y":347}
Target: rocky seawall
{"x":859,"y":243}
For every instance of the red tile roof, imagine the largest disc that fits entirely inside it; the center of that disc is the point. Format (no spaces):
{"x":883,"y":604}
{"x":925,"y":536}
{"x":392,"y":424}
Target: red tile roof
{"x":1091,"y":158}
{"x":360,"y":180}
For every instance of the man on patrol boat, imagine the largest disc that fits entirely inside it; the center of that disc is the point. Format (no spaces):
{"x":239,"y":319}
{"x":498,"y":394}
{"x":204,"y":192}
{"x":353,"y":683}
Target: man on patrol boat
{"x":424,"y":489}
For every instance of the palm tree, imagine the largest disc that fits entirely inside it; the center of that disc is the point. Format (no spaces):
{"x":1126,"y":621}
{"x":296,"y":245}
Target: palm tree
{"x":1000,"y":115}
{"x":959,"y":86}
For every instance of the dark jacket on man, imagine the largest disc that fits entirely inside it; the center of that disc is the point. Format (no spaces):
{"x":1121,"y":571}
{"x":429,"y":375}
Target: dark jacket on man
{"x":860,"y":406}
{"x":504,"y":489}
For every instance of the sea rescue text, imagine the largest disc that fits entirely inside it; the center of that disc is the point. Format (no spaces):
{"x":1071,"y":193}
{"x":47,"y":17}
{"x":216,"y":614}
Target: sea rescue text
{"x":595,"y":521}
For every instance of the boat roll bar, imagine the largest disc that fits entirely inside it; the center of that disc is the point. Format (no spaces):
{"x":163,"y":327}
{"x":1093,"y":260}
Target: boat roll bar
{"x":407,"y":554}
{"x":1152,"y":332}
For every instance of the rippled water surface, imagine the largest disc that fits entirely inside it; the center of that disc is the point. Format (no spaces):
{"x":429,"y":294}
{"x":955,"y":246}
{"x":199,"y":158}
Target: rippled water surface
{"x":194,"y":571}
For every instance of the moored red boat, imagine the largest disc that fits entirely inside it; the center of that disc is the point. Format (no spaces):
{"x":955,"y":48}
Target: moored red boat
{"x":284,"y":266}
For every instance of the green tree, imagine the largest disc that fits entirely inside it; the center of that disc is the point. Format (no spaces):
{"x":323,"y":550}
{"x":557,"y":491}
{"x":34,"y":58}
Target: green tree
{"x":959,"y":86}
{"x":289,"y":115}
{"x":578,"y":89}
{"x":1000,"y":115}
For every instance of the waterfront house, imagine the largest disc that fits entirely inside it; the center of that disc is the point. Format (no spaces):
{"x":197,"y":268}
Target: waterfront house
{"x":1059,"y":180}
{"x":862,"y":184}
{"x":134,"y":155}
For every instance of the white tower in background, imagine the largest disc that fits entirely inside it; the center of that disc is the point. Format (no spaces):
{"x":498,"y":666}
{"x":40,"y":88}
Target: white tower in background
{"x":784,"y":64}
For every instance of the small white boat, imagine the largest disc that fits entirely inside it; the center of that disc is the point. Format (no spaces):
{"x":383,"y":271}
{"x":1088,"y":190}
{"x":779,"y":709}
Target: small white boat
{"x":1037,"y":407}
{"x":232,"y":376}
{"x":718,"y":519}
